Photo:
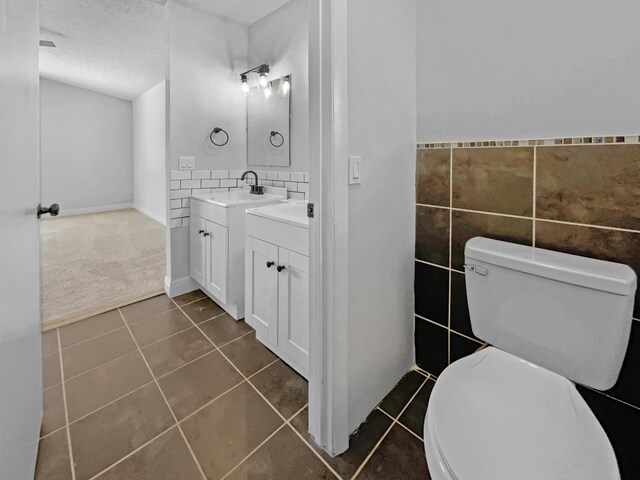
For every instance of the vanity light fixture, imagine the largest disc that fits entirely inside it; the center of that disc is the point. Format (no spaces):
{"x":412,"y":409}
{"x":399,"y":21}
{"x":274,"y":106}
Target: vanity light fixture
{"x":245,"y":84}
{"x":263,"y":77}
{"x":285,"y":86}
{"x":268,"y":91}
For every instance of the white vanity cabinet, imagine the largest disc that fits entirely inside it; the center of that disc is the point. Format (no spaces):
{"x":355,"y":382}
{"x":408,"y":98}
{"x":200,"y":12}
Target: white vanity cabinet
{"x":216,"y":244}
{"x":209,"y":253}
{"x":277,"y":283}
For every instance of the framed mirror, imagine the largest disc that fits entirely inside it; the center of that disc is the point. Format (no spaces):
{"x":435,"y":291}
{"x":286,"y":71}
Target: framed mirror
{"x":268,"y":124}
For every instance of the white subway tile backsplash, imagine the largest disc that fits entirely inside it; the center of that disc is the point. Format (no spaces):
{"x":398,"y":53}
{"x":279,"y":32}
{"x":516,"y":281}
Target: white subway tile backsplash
{"x":180,"y":194}
{"x":183,"y":184}
{"x":210,"y":183}
{"x":190,"y":184}
{"x":201,"y":174}
{"x":179,"y":212}
{"x":180,"y":175}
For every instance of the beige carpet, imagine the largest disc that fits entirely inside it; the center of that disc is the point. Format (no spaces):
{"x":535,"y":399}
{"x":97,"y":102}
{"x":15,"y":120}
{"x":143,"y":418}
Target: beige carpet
{"x":96,"y":262}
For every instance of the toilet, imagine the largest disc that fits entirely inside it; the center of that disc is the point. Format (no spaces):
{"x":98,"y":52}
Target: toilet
{"x":511,"y":411}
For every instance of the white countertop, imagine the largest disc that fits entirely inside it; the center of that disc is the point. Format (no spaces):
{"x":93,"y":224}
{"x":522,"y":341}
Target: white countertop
{"x":291,"y":212}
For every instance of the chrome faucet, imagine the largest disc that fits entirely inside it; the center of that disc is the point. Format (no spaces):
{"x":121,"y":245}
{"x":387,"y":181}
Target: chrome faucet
{"x":255,"y":189}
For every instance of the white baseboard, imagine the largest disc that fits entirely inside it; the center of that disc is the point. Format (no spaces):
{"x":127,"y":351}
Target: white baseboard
{"x":150,"y":214}
{"x":179,"y":286}
{"x":103,"y":208}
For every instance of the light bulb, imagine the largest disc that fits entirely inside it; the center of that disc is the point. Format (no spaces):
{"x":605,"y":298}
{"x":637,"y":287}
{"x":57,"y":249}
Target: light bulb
{"x":245,"y":88}
{"x":268,"y":91}
{"x":285,"y":86}
{"x":263,"y":81}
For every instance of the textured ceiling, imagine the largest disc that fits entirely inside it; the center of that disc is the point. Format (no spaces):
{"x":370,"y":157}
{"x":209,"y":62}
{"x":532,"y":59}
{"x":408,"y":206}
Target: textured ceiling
{"x":117,"y":47}
{"x":245,"y":12}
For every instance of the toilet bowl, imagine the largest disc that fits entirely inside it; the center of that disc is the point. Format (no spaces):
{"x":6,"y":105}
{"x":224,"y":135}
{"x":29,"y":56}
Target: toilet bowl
{"x":492,"y":415}
{"x":512,"y":411}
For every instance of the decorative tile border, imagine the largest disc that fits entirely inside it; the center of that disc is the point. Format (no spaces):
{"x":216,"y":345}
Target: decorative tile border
{"x":617,"y":139}
{"x":184,"y":183}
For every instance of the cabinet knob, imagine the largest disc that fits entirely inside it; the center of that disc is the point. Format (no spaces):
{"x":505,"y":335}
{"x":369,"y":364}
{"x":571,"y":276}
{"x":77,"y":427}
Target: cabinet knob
{"x":200,"y":232}
{"x":280,"y":268}
{"x":206,"y":234}
{"x":270,"y":264}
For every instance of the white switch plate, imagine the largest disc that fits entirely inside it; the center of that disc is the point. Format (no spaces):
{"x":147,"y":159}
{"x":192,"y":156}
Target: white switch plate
{"x":187,"y":163}
{"x":355,"y":170}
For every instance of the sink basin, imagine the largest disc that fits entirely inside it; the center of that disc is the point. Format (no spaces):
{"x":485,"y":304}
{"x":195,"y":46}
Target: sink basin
{"x":242,"y":197}
{"x":294,"y":213}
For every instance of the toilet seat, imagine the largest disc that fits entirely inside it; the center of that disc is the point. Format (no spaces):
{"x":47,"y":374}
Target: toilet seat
{"x":493,"y":415}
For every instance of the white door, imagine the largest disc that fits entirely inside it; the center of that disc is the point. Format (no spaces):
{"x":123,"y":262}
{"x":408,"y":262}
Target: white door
{"x":197,"y":242}
{"x":217,"y":250}
{"x":20,"y":348}
{"x":293,"y":309}
{"x":261,"y":290}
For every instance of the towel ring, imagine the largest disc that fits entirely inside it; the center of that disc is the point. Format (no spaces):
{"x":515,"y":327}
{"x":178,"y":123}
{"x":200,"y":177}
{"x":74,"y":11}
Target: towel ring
{"x":276,"y":134}
{"x":216,"y":131}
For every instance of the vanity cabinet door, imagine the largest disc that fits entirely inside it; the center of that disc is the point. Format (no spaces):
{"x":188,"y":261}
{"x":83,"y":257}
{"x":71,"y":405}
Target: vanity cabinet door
{"x":261,"y":289}
{"x":293,"y":309}
{"x":217,"y":264}
{"x":197,"y":249}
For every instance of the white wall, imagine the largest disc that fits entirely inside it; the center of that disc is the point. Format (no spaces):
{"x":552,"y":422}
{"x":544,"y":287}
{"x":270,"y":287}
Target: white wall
{"x":281,"y":40}
{"x":206,"y":56}
{"x":382,"y":123}
{"x":539,"y":69}
{"x":86,"y":148}
{"x":149,"y":167}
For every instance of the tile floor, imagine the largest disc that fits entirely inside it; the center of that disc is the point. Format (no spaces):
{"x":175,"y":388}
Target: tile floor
{"x":166,"y":389}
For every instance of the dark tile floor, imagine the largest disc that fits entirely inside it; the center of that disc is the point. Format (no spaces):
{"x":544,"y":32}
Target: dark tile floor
{"x":166,"y":389}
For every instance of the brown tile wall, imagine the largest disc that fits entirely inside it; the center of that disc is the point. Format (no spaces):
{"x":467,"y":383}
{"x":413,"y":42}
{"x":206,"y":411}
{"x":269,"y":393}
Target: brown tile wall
{"x":582,"y":199}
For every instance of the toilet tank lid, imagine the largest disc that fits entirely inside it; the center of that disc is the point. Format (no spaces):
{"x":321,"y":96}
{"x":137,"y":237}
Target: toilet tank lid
{"x":586,"y":272}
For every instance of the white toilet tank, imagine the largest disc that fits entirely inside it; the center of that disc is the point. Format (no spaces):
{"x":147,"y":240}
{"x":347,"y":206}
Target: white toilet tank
{"x":569,"y":314}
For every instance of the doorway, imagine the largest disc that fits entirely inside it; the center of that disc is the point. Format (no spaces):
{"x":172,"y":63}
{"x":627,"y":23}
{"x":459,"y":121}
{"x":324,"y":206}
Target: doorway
{"x":102,"y":156}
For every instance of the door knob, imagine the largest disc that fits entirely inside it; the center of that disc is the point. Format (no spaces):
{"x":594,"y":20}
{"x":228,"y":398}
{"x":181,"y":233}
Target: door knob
{"x":280,"y":268}
{"x":270,"y":264}
{"x":53,"y":210}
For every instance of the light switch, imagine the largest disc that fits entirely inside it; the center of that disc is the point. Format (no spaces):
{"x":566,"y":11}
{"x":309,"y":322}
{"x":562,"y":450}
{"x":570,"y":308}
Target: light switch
{"x":187,"y":163}
{"x":355,"y":170}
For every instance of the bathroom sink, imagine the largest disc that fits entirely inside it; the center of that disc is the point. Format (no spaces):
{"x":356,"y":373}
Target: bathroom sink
{"x":294,"y":213}
{"x":243,"y":197}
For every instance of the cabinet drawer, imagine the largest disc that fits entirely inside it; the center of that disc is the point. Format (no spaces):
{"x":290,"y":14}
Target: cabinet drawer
{"x":208,"y":211}
{"x":282,"y":234}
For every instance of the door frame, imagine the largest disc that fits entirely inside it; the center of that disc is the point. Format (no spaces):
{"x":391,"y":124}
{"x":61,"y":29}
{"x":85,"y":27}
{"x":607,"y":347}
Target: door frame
{"x":329,"y":230}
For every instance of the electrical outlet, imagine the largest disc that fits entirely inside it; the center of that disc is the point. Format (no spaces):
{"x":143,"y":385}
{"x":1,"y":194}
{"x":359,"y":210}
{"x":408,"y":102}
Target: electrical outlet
{"x":187,"y":163}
